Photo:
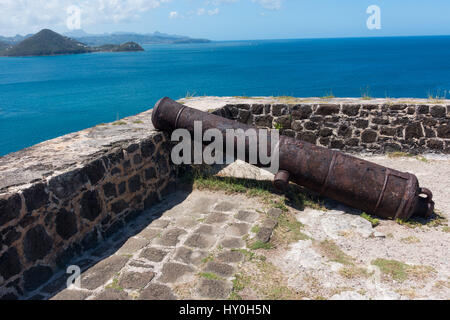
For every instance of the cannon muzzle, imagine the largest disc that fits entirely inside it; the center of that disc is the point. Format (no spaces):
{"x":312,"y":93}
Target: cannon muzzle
{"x":361,"y":184}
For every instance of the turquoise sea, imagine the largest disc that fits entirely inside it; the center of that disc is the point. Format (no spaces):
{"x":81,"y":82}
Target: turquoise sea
{"x":45,"y":97}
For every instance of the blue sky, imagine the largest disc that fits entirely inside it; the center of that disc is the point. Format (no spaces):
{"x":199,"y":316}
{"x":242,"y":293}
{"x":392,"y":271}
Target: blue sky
{"x":231,"y":19}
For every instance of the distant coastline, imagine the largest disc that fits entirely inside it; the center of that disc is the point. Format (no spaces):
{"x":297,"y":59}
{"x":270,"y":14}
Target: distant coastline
{"x":49,"y":43}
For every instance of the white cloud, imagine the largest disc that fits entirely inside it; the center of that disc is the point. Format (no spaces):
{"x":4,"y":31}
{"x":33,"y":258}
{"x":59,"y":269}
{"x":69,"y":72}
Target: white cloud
{"x":270,"y":4}
{"x":23,"y":16}
{"x":26,"y":16}
{"x":267,"y":4}
{"x":218,"y":2}
{"x":213,"y":12}
{"x":174,"y":15}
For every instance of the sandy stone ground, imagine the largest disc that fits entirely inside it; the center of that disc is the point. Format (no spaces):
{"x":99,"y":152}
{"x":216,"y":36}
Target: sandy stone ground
{"x":204,"y":244}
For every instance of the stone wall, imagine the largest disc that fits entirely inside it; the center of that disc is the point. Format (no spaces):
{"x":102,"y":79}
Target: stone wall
{"x":354,"y":127}
{"x":62,"y":196}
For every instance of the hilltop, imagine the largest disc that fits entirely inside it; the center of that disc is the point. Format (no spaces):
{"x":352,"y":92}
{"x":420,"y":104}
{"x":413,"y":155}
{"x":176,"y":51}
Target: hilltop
{"x":47,"y":42}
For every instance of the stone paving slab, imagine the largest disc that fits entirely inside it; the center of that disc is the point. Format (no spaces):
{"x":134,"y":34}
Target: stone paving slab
{"x":172,"y":250}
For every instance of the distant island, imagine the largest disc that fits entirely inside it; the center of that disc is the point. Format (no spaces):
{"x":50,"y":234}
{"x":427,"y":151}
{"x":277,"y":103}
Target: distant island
{"x":124,"y":47}
{"x":47,"y":43}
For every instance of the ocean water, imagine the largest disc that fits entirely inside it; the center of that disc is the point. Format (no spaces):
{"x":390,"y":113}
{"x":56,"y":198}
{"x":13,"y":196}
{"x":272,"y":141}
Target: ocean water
{"x":45,"y":97}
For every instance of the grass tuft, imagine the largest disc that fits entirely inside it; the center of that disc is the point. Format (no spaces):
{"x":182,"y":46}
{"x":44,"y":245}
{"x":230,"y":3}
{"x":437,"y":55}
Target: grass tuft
{"x":328,"y":95}
{"x":278,"y":126}
{"x":392,"y":268}
{"x":401,"y":271}
{"x":190,"y":95}
{"x":234,"y":296}
{"x":410,"y":239}
{"x":437,"y":97}
{"x":374,"y":221}
{"x":115,"y":285}
{"x":240,"y":281}
{"x":435,"y":221}
{"x":399,"y":154}
{"x":331,"y":250}
{"x":257,"y":245}
{"x":289,"y":230}
{"x":296,"y":196}
{"x":209,"y":258}
{"x":287,"y":99}
{"x":365,"y":93}
{"x":209,"y":275}
{"x":354,"y":272}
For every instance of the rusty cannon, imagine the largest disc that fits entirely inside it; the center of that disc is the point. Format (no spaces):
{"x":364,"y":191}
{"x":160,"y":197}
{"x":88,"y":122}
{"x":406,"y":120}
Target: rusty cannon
{"x":358,"y":183}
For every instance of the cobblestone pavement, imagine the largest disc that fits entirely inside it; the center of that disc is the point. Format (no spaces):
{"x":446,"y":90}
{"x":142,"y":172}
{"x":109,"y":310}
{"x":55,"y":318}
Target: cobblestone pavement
{"x":189,"y":248}
{"x":213,"y":245}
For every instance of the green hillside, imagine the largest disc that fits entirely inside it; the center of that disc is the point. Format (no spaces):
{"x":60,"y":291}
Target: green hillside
{"x":44,"y":43}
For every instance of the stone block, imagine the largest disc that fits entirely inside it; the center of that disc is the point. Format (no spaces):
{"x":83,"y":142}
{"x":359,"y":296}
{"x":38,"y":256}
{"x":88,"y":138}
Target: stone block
{"x":351,"y":109}
{"x":189,"y":256}
{"x":37,"y":244}
{"x":36,"y":196}
{"x":369,"y":136}
{"x":10,"y":208}
{"x":198,"y":240}
{"x":10,"y":264}
{"x":66,"y":224}
{"x":238,"y":229}
{"x":443,"y":131}
{"x":247,"y":216}
{"x":438,"y":111}
{"x":221,"y":269}
{"x":170,"y":237}
{"x":302,"y":112}
{"x":102,"y":272}
{"x":213,"y":289}
{"x":413,"y":130}
{"x":175,"y":272}
{"x":111,"y":294}
{"x":90,"y":205}
{"x":135,"y":280}
{"x":36,"y":276}
{"x":153,"y":254}
{"x":230,"y":256}
{"x":157,"y":292}
{"x":327,"y":109}
{"x":233,"y":243}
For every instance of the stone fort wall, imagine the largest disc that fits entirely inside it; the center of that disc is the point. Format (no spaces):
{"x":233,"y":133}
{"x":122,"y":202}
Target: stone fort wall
{"x":63,"y":196}
{"x":354,"y":127}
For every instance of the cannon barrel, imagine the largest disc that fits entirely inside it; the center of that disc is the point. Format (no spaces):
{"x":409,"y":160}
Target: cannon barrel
{"x":361,"y":184}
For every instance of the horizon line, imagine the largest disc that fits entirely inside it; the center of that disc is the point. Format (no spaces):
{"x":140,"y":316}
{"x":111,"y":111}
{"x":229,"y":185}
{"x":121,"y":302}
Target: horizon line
{"x":234,"y":40}
{"x":338,"y":37}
